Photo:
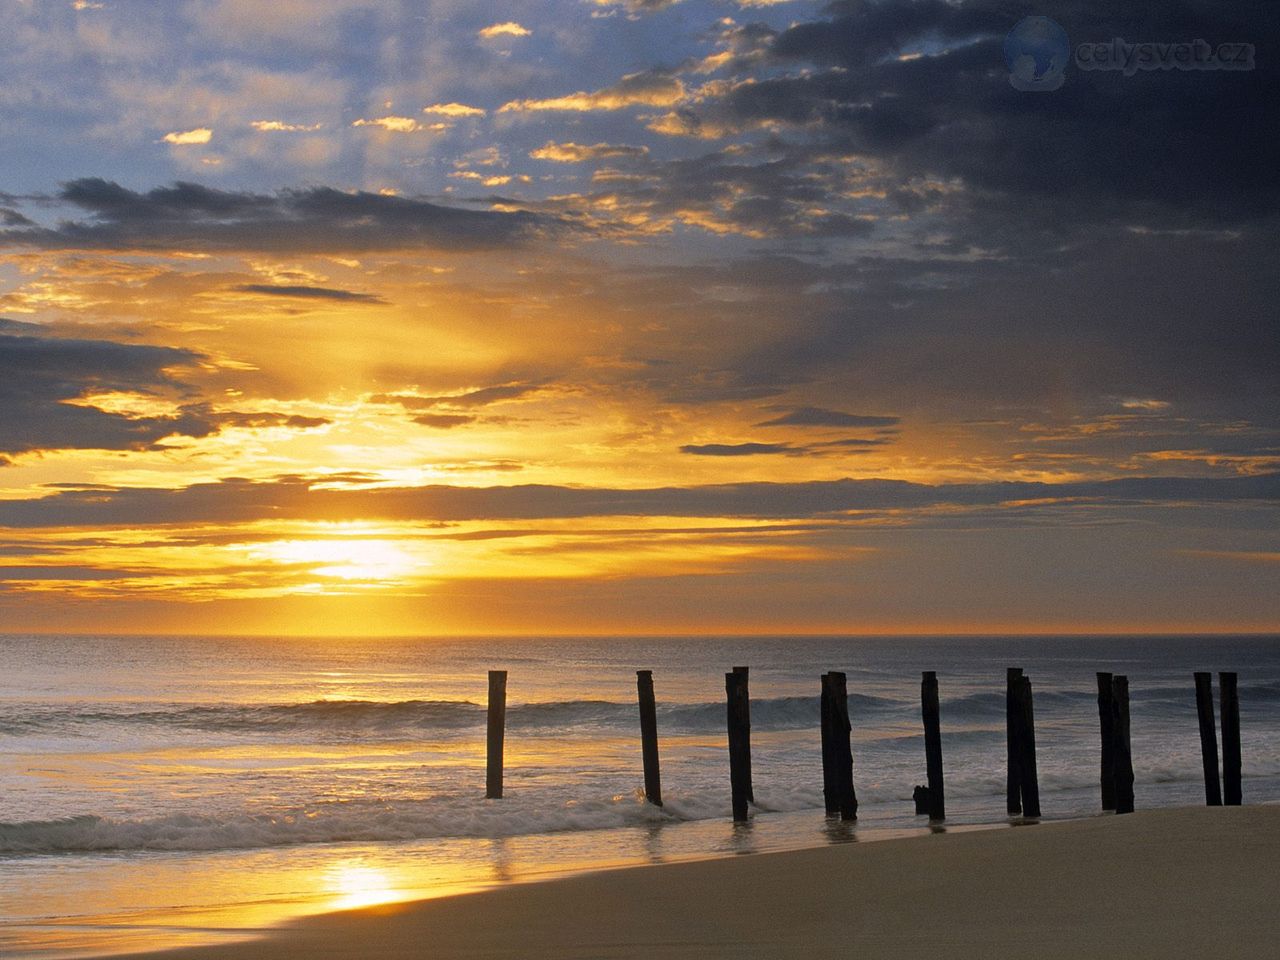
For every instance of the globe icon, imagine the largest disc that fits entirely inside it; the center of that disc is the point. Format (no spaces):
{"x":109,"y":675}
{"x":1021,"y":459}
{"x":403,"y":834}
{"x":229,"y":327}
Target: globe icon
{"x":1036,"y":52}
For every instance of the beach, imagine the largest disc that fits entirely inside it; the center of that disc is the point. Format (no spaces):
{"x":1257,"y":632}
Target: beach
{"x":1159,"y":884}
{"x":166,"y":792}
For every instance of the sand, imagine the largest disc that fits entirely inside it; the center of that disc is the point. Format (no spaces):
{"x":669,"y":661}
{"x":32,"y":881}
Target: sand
{"x":1161,"y":884}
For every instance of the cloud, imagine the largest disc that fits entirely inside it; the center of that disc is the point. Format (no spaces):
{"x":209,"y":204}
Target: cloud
{"x":38,"y":375}
{"x":508,"y":29}
{"x":649,"y":88}
{"x":857,"y":443}
{"x":818,"y":417}
{"x":825,"y":448}
{"x":47,"y":387}
{"x":279,"y":125}
{"x":735,"y":449}
{"x":723,"y":192}
{"x":921,"y":86}
{"x":12,"y":218}
{"x":195,"y":218}
{"x":579,"y":153}
{"x":443,"y":421}
{"x":262,"y":420}
{"x":309,"y":293}
{"x":188,"y":137}
{"x":295,"y":498}
{"x":481,"y":397}
{"x":637,"y":6}
{"x":453,"y":110}
{"x":393,"y":124}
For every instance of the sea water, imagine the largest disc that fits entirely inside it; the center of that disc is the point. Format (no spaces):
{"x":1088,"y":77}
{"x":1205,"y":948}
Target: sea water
{"x":161,"y":791}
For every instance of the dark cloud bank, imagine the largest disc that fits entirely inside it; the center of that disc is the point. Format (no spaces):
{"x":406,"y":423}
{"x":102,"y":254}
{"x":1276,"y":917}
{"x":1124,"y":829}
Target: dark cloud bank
{"x":188,"y":216}
{"x":41,"y":378}
{"x":294,"y":498}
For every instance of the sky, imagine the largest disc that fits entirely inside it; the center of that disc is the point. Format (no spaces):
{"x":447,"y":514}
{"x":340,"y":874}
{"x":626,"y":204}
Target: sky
{"x":634,"y":316}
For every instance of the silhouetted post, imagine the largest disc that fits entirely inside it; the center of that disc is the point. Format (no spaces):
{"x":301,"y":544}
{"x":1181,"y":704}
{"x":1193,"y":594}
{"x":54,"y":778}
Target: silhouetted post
{"x":932,"y":743}
{"x":842,"y":798}
{"x":1123,"y":754}
{"x":829,"y":799}
{"x":746,"y":713}
{"x":1107,"y":724}
{"x":1028,"y":780}
{"x":497,"y":730}
{"x":1230,"y":706}
{"x":1012,"y":675}
{"x":1208,"y":739}
{"x":649,"y":737}
{"x":735,"y":687}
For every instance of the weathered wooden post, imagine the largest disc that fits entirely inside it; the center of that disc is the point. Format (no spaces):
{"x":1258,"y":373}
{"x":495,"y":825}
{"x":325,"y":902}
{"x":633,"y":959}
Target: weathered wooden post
{"x":746,"y":712}
{"x":649,"y":737}
{"x":1208,"y":739}
{"x":497,"y":731}
{"x":1230,"y":706}
{"x":829,"y":799}
{"x":735,"y":686}
{"x":1107,"y":725}
{"x":932,"y":743}
{"x":1029,"y":783}
{"x":1123,"y":751}
{"x":1014,"y":785}
{"x":843,"y":799}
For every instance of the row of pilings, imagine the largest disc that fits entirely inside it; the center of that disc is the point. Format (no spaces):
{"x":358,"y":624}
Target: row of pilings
{"x":840,"y":799}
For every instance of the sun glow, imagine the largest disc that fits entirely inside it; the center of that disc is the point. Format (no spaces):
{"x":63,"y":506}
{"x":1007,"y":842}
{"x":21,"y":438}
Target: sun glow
{"x":379,"y":561}
{"x":355,"y":886}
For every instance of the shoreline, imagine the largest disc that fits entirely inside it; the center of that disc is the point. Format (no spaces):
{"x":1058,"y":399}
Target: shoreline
{"x":1156,"y":884}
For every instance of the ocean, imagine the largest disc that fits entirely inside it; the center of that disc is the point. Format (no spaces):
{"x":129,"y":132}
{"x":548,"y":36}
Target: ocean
{"x":162,"y":791}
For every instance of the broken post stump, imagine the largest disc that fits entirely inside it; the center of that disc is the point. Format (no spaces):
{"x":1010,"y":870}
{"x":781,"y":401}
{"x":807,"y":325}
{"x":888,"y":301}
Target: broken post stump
{"x":921,"y":797}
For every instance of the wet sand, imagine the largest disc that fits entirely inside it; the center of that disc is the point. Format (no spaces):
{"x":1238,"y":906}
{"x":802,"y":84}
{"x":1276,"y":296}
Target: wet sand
{"x":1160,"y":884}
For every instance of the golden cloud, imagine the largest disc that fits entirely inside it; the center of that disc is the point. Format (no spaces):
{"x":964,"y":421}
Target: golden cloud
{"x":186,"y":138}
{"x":508,"y":29}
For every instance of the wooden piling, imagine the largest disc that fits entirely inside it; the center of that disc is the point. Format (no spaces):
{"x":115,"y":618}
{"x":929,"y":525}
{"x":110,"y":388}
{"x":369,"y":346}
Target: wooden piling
{"x":746,"y":712}
{"x":932,"y":743}
{"x":844,"y":800}
{"x":649,"y":737}
{"x":1106,"y":722}
{"x":1029,"y":783}
{"x":1208,"y":739}
{"x":1014,"y":784}
{"x":736,"y":697}
{"x":1229,"y":704}
{"x":1123,"y":751}
{"x":497,"y":731}
{"x":830,"y":799}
